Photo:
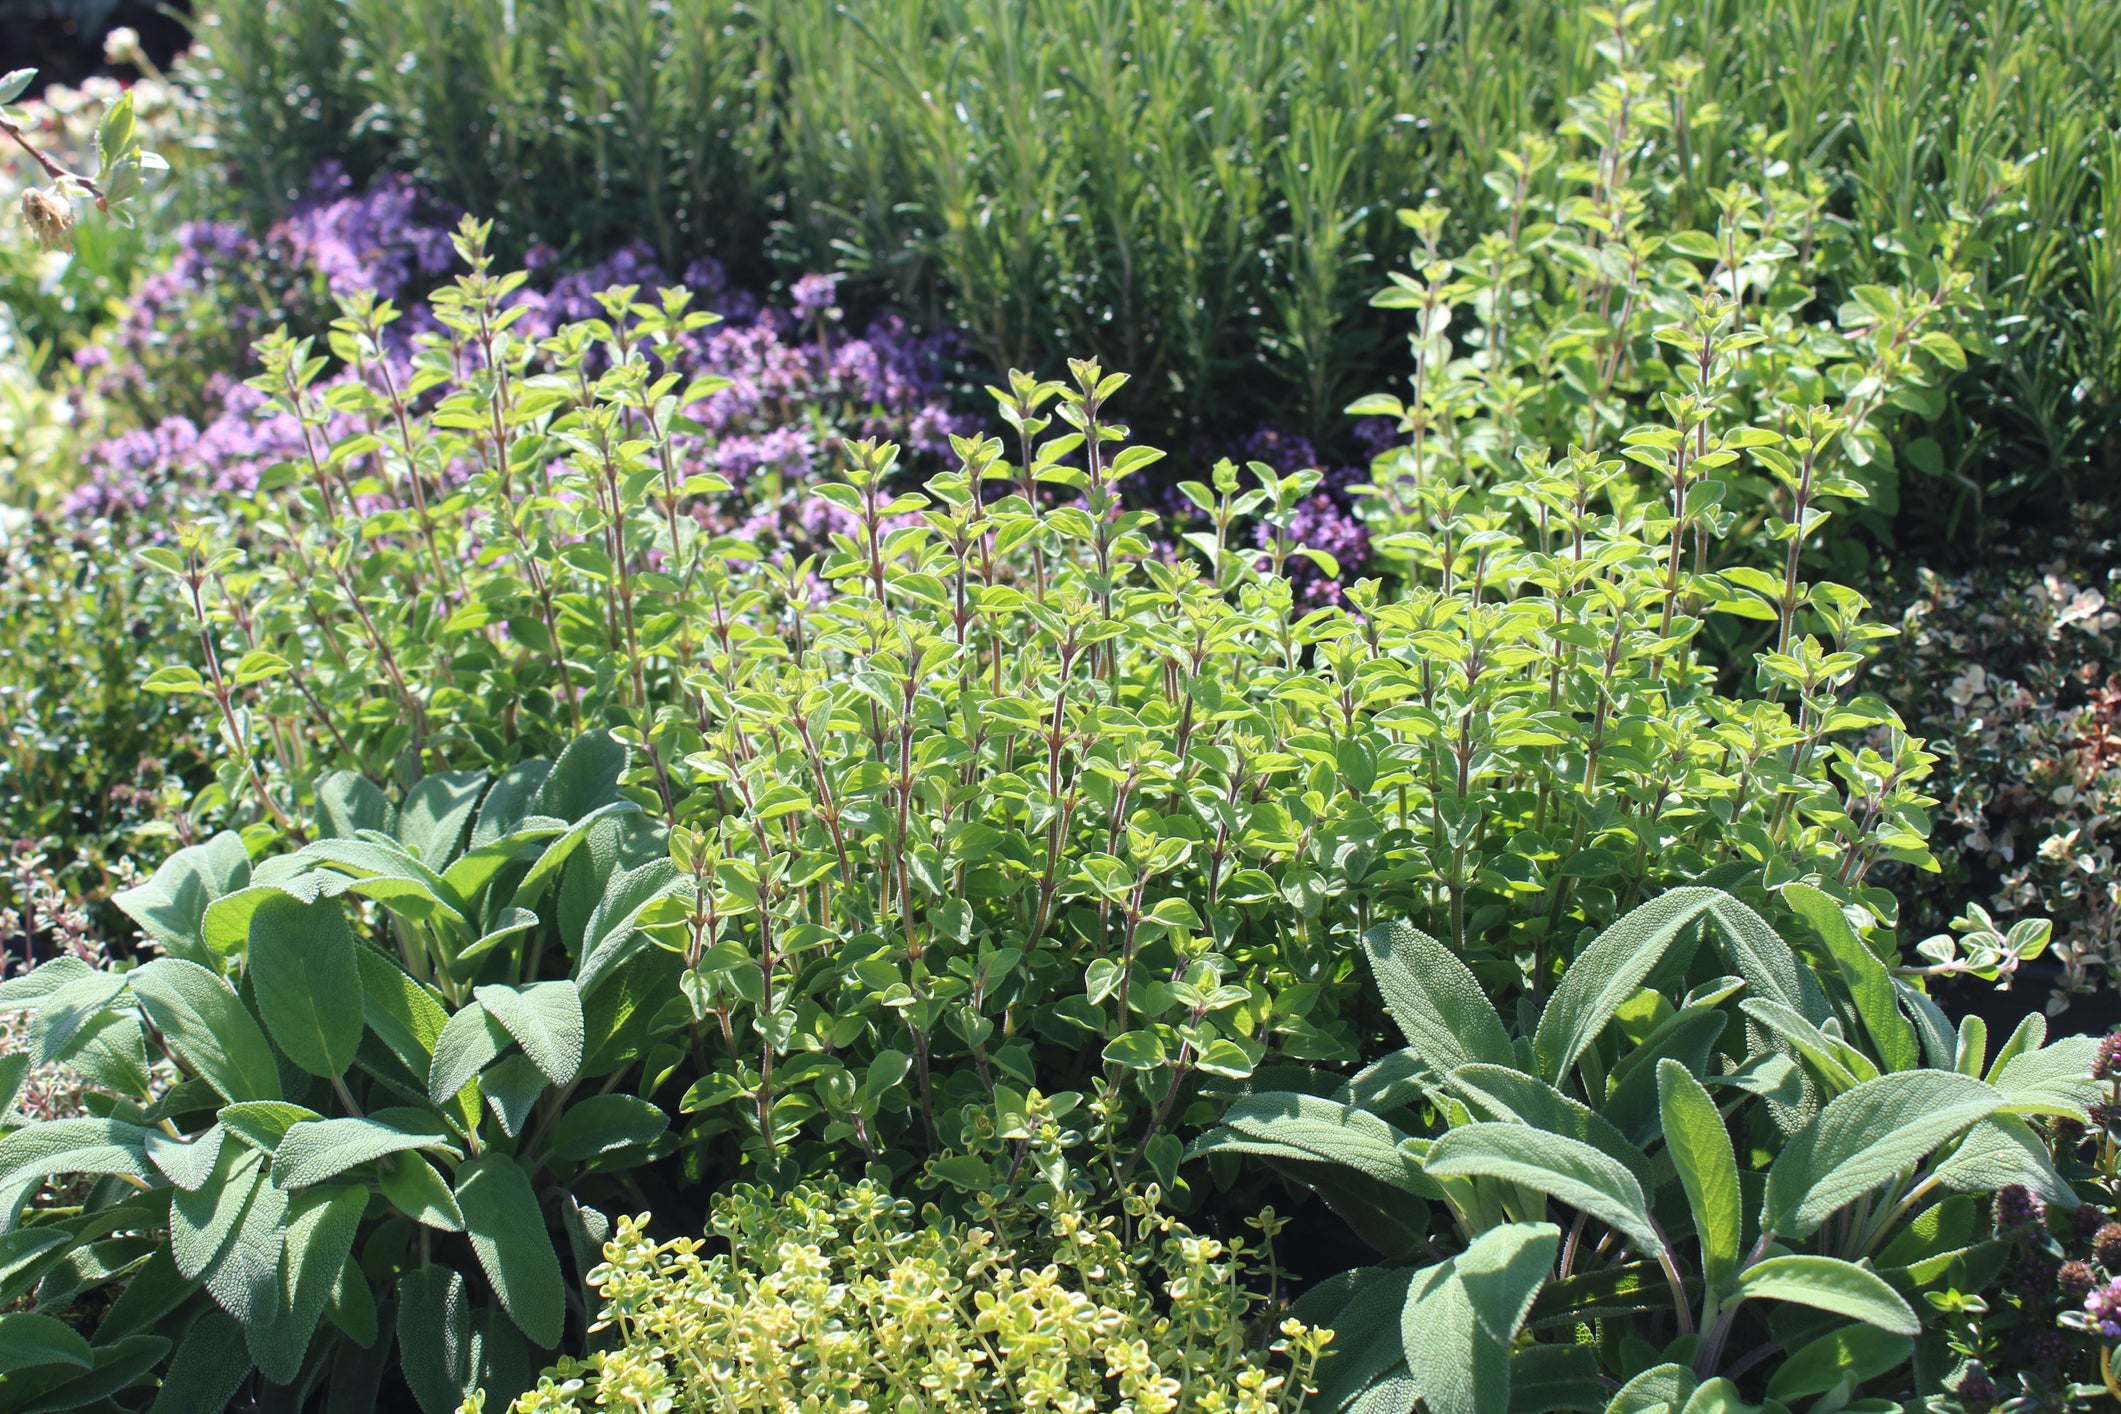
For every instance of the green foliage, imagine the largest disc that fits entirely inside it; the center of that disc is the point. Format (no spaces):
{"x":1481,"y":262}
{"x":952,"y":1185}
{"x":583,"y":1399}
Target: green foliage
{"x":359,"y":1115}
{"x":834,"y":1293}
{"x":1587,"y":313}
{"x":92,"y":769}
{"x":988,"y":801}
{"x":1824,"y":1185}
{"x":986,"y":162}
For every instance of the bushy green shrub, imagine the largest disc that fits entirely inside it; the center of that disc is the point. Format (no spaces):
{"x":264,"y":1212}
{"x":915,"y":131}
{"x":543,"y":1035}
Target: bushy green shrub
{"x":1828,"y":1169}
{"x":275,"y":1202}
{"x":1178,"y":189}
{"x":973,"y":832}
{"x":837,"y":1296}
{"x":1070,"y":815}
{"x":94,"y":771}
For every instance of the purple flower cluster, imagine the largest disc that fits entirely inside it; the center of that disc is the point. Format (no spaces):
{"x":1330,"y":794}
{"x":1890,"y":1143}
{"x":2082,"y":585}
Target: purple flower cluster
{"x":2106,"y":1064}
{"x":2104,"y":1307}
{"x":774,"y":428}
{"x":381,"y":239}
{"x":1326,"y":519}
{"x":2018,"y":1212}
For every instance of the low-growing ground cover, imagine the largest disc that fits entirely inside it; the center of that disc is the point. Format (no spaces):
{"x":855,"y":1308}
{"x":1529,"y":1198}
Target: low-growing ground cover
{"x":629,"y":748}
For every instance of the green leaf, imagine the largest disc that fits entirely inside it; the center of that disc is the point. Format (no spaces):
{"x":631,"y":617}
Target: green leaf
{"x":585,"y":777}
{"x":435,"y":1349}
{"x":404,"y":1015}
{"x":603,"y":1123}
{"x":471,"y":1041}
{"x":1362,"y":1308}
{"x":308,"y":983}
{"x":385,"y":872}
{"x":28,"y":992}
{"x":26,"y":1254}
{"x":68,"y":1009}
{"x":545,"y":1018}
{"x":352,"y":1307}
{"x":1866,"y":977}
{"x":1864,"y":1137}
{"x":208,"y":1027}
{"x":120,"y":1365}
{"x":209,"y":1366}
{"x":322,"y":1149}
{"x":348,"y":803}
{"x":81,"y":1145}
{"x":508,"y":1232}
{"x":1566,"y":1170}
{"x":1999,"y":1151}
{"x":1719,"y":1396}
{"x":1315,"y":1128}
{"x":1460,"y":1317}
{"x":28,"y":1340}
{"x":511,"y":800}
{"x":14,"y":1069}
{"x":246,"y":1279}
{"x":413,"y":1187}
{"x":1438,"y":1003}
{"x":1852,"y":1354}
{"x":1700,"y":1146}
{"x":1767,"y":963}
{"x":1830,"y":1284}
{"x":170,"y":906}
{"x":1136,"y":1050}
{"x":613,"y":933}
{"x":1546,"y":1378}
{"x":2054,"y":1080}
{"x":203,"y":1219}
{"x":1830,"y":1063}
{"x":321,"y":1226}
{"x":1607,"y":973}
{"x":1665,"y":1386}
{"x":436,"y":813}
{"x":262,"y":1124}
{"x":510,"y":1087}
{"x":1499,"y":1093}
{"x":153,"y":1291}
{"x":531,"y":887}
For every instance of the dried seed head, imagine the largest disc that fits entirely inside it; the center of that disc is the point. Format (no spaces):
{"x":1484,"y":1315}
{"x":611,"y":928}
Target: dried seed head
{"x":50,"y":217}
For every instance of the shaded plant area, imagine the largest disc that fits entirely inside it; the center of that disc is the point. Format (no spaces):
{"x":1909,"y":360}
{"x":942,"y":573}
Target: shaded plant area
{"x":2009,"y":672}
{"x":64,"y":40}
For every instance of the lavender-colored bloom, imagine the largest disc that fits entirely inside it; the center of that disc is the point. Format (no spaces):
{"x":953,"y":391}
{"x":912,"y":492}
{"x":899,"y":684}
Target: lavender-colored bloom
{"x":376,"y":240}
{"x":772,"y":432}
{"x":2104,"y":1307}
{"x":2106,"y":1065}
{"x":813,"y":294}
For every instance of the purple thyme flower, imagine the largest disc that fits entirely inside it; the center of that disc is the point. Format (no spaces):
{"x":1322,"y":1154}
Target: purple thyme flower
{"x":2018,"y":1212}
{"x":2104,"y":1307}
{"x":2106,"y":1065}
{"x":813,"y":294}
